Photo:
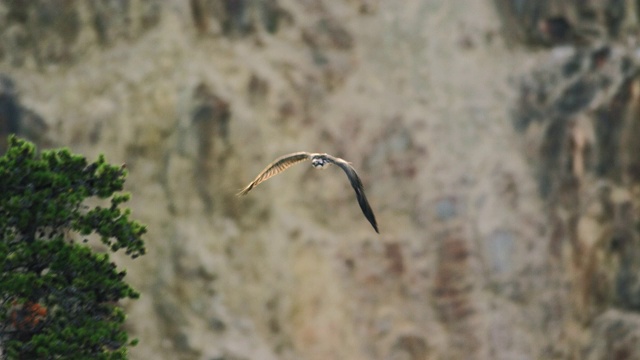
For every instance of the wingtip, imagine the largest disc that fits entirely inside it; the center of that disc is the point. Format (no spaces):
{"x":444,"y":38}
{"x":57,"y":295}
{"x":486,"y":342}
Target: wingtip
{"x":244,"y":191}
{"x":374,"y":223}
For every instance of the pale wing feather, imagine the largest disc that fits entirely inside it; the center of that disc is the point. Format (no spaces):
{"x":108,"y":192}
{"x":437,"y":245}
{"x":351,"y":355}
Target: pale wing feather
{"x":354,"y":179}
{"x":277,"y":166}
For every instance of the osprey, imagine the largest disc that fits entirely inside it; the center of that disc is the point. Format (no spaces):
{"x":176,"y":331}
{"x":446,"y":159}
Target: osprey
{"x":319,"y":161}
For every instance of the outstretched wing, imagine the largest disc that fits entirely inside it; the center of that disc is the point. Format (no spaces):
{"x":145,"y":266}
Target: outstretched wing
{"x":359,"y":189}
{"x":276,"y":167}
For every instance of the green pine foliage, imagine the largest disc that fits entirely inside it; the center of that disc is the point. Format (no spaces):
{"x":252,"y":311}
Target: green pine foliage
{"x":58,"y":298}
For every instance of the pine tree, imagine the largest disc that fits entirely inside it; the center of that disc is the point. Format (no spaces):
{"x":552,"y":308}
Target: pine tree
{"x":58,"y":298}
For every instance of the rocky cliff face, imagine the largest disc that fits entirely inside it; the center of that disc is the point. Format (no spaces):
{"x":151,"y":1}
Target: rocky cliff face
{"x":495,"y":140}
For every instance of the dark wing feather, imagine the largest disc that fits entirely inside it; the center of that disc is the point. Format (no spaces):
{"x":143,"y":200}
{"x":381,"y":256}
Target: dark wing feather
{"x":359,"y":189}
{"x":276,"y":167}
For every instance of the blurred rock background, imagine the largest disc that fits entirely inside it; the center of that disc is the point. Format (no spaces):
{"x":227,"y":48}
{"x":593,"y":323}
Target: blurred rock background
{"x":497,"y":141}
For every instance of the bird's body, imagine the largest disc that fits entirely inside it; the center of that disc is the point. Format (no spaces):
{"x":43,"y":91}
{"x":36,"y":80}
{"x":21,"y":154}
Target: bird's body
{"x":318,"y":161}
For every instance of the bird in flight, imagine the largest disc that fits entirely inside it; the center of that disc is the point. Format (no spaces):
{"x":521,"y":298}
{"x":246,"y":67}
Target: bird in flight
{"x":319,"y":161}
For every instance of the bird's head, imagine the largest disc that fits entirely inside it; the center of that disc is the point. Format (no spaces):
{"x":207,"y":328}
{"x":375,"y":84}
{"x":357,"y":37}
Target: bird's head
{"x":319,"y":163}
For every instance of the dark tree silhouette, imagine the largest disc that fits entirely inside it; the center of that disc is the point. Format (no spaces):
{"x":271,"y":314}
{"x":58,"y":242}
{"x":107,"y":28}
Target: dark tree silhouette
{"x":58,"y":298}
